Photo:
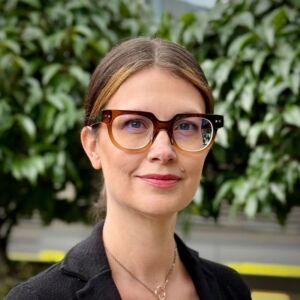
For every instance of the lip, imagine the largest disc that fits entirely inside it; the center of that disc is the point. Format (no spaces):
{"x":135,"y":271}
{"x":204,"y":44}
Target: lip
{"x":161,"y":180}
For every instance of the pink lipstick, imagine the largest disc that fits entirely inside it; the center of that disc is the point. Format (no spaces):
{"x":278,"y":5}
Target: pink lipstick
{"x":161,"y":181}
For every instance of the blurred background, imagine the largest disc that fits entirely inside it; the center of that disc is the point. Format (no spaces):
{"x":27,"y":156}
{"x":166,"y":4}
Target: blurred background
{"x":246,"y":212}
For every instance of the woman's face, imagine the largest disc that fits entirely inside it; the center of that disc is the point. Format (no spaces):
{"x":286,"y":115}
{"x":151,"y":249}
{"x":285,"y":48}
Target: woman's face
{"x":161,"y":180}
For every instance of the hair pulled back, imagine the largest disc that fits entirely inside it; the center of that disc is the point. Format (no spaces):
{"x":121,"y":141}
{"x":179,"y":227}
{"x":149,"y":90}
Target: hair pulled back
{"x":134,"y":55}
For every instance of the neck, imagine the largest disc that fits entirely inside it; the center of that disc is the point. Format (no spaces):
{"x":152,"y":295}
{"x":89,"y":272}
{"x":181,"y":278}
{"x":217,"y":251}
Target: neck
{"x":144,"y":244}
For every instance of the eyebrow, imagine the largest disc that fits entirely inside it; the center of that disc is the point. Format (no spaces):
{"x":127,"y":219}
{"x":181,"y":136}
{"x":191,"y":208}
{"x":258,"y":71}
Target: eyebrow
{"x":147,"y":111}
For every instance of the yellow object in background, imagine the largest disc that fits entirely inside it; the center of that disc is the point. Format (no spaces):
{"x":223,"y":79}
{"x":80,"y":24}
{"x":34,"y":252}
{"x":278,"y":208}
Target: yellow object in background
{"x":263,"y":269}
{"x":51,"y":255}
{"x":269,"y":296}
{"x":45,"y":256}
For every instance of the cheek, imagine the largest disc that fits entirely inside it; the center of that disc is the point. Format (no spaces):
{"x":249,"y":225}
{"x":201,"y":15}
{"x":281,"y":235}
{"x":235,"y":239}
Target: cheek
{"x":112,"y":158}
{"x":194,"y":178}
{"x":195,"y":166}
{"x":117,"y":166}
{"x":116,"y":176}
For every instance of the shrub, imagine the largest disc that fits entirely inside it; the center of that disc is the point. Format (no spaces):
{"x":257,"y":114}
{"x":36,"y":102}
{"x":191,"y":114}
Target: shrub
{"x":47,"y":51}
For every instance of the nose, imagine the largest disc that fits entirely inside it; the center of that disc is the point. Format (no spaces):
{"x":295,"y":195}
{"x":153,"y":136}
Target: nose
{"x":162,"y":149}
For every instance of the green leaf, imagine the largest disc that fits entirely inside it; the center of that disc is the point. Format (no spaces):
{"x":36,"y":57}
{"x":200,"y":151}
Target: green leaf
{"x":223,"y":71}
{"x":188,"y":35}
{"x":188,"y":19}
{"x":263,"y":6}
{"x":79,"y":45}
{"x":83,"y":30}
{"x":291,"y":115}
{"x":253,"y":134}
{"x":200,"y":27}
{"x":278,"y":191}
{"x":279,"y":18}
{"x":55,"y":100}
{"x":78,"y":73}
{"x":101,"y":45}
{"x":54,"y":41}
{"x":208,"y":66}
{"x":46,"y":120}
{"x":33,"y":3}
{"x":251,"y":206}
{"x":242,"y":188}
{"x":247,"y":97}
{"x":10,"y":5}
{"x":258,"y":61}
{"x":11,"y":45}
{"x":49,"y":72}
{"x":245,"y":18}
{"x":5,"y":116}
{"x":60,"y":124}
{"x":27,"y":125}
{"x":131,"y":25}
{"x":292,"y":173}
{"x":222,"y":138}
{"x":272,"y":123}
{"x":241,"y":42}
{"x":268,"y":35}
{"x":28,"y":168}
{"x":32,"y":33}
{"x":100,"y":22}
{"x":271,"y":89}
{"x":35,"y":94}
{"x":222,"y":193}
{"x":244,"y":126}
{"x":294,"y":83}
{"x":278,"y":90}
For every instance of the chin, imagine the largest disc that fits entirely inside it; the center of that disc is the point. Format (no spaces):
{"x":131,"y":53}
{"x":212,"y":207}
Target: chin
{"x":158,"y":215}
{"x":161,"y":207}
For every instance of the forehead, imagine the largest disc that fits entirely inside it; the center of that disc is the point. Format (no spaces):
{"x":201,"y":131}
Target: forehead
{"x":158,"y":91}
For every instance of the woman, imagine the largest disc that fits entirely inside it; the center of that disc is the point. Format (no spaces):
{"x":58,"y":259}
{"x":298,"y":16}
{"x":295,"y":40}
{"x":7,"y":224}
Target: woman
{"x":148,"y":127}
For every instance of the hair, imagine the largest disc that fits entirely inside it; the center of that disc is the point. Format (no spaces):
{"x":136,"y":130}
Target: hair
{"x":128,"y":58}
{"x":134,"y":55}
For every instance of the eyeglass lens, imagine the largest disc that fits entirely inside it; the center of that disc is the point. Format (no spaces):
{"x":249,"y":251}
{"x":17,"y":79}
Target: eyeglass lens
{"x":133,"y":131}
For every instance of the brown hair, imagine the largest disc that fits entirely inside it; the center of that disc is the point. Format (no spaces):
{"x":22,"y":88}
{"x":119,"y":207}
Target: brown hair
{"x":134,"y":55}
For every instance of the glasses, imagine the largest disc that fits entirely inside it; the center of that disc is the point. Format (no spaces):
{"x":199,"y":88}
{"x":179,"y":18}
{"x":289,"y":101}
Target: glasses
{"x":135,"y":131}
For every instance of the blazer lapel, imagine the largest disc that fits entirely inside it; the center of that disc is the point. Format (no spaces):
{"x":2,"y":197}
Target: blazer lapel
{"x":204,"y":281}
{"x":101,"y":287}
{"x":88,"y":262}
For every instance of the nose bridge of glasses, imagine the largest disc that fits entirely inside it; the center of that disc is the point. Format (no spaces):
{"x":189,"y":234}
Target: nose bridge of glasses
{"x":162,"y":125}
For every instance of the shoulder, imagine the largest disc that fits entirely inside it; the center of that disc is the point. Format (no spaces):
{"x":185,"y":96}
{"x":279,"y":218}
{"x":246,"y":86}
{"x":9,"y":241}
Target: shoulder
{"x":224,"y":274}
{"x":49,"y":284}
{"x":83,"y":263}
{"x":230,"y":281}
{"x":213,"y":278}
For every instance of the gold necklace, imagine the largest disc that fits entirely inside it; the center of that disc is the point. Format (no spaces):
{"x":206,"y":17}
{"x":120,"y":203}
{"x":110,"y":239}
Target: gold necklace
{"x":161,"y":290}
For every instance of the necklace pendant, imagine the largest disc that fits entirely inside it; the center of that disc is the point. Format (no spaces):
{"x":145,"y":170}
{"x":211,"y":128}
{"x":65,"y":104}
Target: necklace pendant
{"x":160,"y":292}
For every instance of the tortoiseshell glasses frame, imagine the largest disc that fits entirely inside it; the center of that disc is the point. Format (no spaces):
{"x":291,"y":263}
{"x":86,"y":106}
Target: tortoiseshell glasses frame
{"x":138,"y":139}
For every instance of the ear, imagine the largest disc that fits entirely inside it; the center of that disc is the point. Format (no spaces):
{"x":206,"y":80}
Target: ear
{"x":89,"y":144}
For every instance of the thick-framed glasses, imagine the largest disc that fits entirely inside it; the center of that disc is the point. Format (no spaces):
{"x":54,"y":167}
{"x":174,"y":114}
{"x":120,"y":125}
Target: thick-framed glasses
{"x":135,"y":131}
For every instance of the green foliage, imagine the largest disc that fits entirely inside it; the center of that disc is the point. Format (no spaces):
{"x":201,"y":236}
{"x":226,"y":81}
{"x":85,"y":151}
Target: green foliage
{"x":47,"y":51}
{"x":250,"y":51}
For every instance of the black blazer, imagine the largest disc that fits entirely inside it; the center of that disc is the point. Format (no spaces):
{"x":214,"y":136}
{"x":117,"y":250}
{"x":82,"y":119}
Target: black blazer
{"x":84,"y":274}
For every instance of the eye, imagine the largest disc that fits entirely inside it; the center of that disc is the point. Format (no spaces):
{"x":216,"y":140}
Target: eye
{"x":186,"y":126}
{"x":135,"y":124}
